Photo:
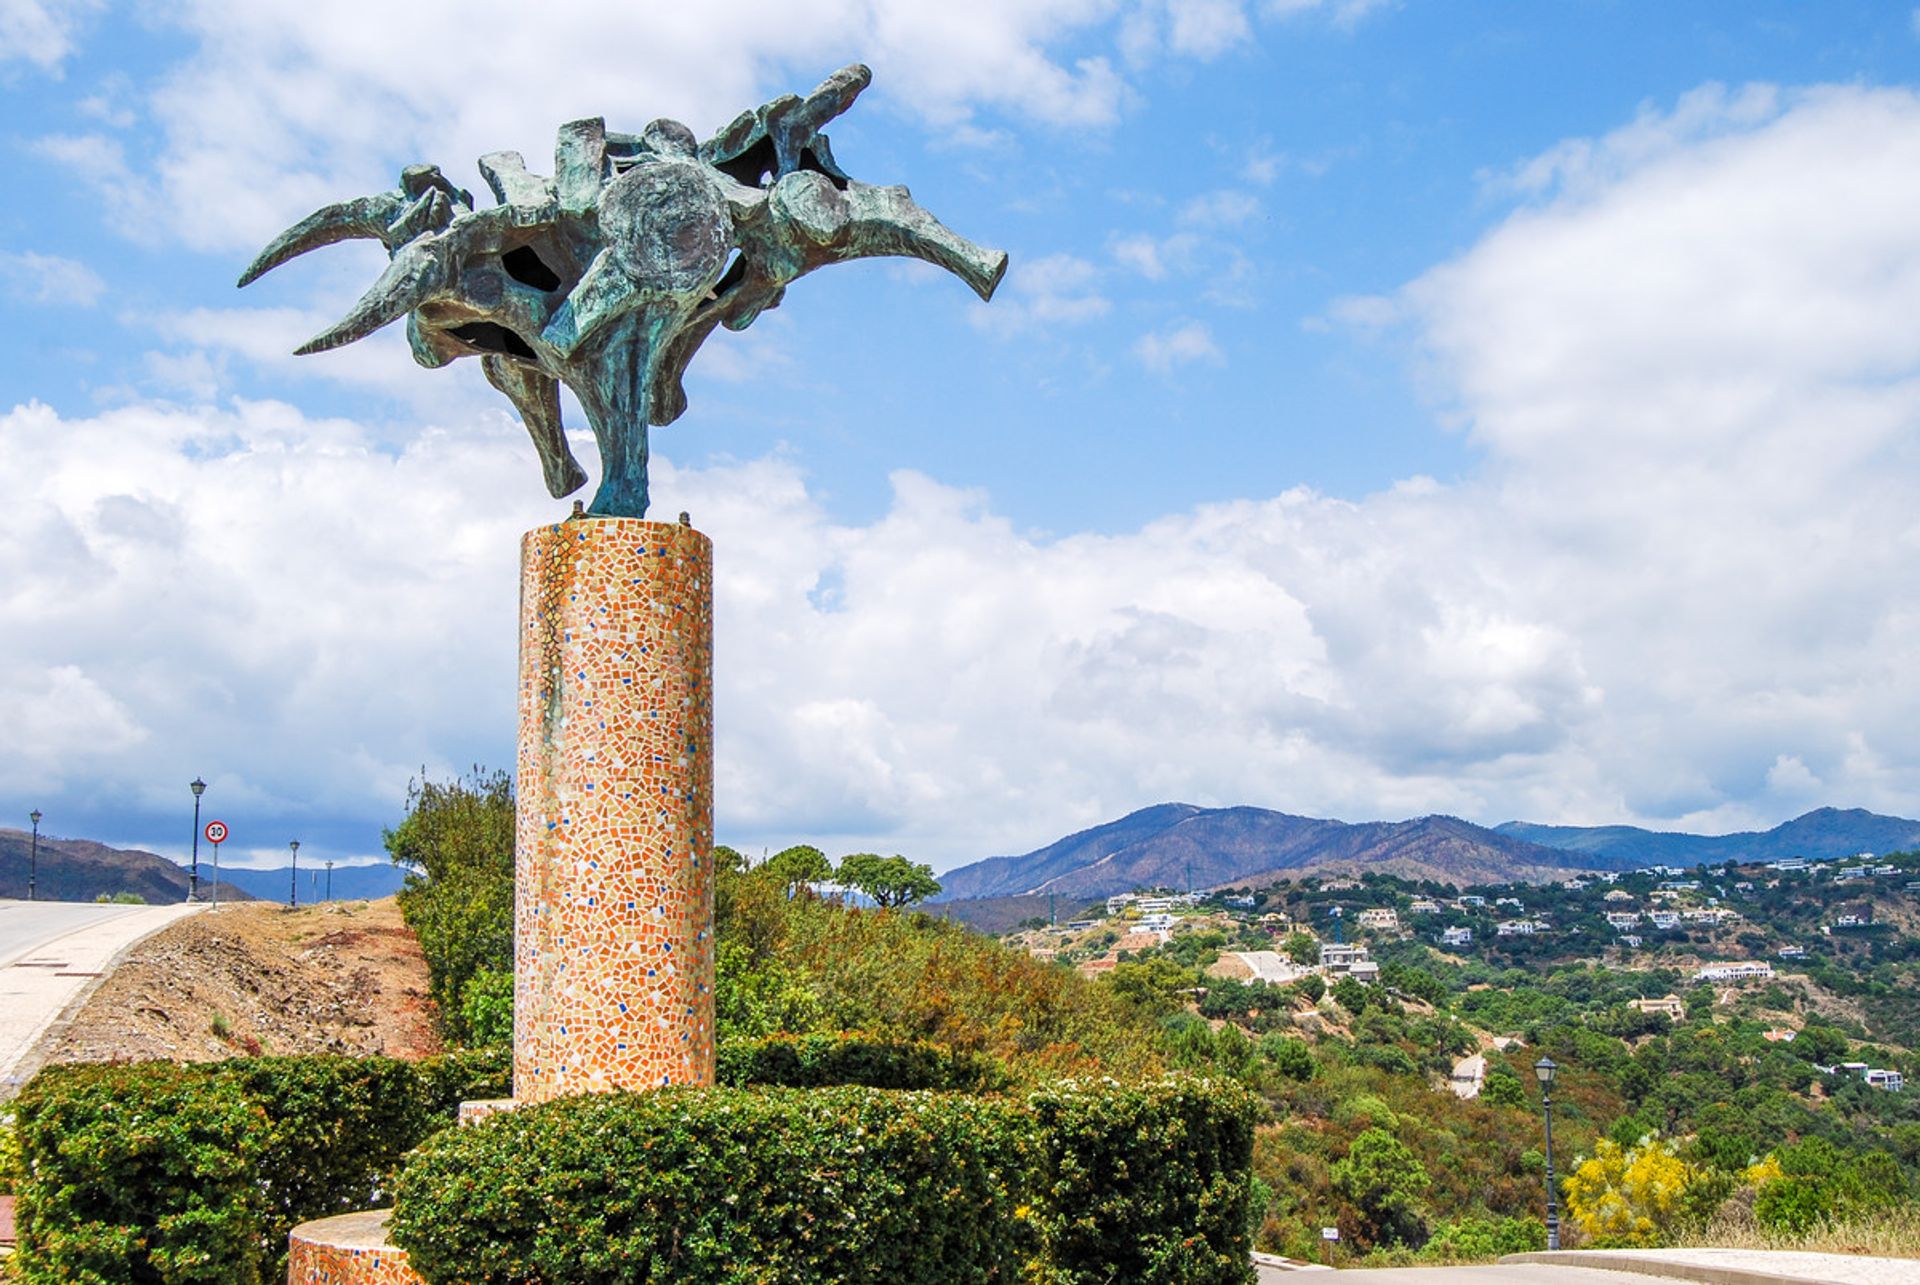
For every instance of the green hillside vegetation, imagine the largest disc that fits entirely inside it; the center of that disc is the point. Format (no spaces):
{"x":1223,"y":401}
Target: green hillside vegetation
{"x":1660,"y":1126}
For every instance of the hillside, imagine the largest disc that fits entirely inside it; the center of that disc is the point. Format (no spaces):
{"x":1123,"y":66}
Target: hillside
{"x":1177,"y":845}
{"x":1824,"y":832}
{"x":81,"y":870}
{"x":343,"y":978}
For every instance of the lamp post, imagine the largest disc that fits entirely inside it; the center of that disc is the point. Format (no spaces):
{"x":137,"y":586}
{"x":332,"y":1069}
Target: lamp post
{"x":293,"y":886}
{"x":199,"y":787}
{"x":1543,"y":1070}
{"x":329,"y":879}
{"x":33,"y":861}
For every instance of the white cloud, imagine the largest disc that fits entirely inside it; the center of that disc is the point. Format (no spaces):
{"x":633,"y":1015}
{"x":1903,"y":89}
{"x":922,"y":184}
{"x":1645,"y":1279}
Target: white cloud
{"x":1178,"y":345}
{"x":1223,"y":209}
{"x":284,"y":106}
{"x":48,"y":278}
{"x":42,"y":32}
{"x":1345,"y":13}
{"x":1680,"y":590}
{"x":1046,"y":293}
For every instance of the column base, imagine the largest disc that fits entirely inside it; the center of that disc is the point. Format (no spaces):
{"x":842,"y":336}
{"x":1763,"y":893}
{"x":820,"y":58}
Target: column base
{"x":348,"y":1249}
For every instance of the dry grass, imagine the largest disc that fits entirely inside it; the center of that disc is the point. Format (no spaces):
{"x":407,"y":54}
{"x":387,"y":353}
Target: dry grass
{"x":1894,"y":1233}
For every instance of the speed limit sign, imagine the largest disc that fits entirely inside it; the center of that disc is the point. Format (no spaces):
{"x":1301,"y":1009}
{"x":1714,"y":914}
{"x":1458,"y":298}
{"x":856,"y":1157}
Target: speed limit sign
{"x":216,"y":832}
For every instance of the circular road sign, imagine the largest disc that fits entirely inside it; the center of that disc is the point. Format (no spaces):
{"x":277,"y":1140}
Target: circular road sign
{"x":216,"y":832}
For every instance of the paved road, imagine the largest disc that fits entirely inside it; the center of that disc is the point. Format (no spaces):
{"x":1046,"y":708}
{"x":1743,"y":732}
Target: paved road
{"x":51,"y":953}
{"x":1501,"y":1274}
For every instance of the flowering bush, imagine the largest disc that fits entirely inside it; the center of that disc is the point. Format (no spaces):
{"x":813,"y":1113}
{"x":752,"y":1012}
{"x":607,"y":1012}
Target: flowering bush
{"x":1635,"y":1196}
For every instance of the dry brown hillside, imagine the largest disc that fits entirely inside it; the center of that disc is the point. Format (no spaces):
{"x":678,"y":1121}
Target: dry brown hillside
{"x":341,"y":977}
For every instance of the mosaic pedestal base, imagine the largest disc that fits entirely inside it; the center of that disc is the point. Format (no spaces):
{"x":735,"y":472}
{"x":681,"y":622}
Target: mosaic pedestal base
{"x":613,"y":925}
{"x":350,"y":1249}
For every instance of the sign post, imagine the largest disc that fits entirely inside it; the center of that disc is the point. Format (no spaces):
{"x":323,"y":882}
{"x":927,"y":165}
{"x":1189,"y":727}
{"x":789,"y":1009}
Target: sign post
{"x":216,"y":835}
{"x":1329,"y":1236}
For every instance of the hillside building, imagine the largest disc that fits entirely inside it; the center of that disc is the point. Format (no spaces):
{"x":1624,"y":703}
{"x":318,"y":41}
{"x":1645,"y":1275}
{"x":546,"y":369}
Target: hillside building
{"x":1618,"y":919}
{"x":1456,"y":937}
{"x":1672,"y":1005}
{"x":1743,"y":970}
{"x":1515,"y":928}
{"x":1425,"y":906}
{"x":1618,"y":895}
{"x":1339,"y":958}
{"x":1383,"y":919}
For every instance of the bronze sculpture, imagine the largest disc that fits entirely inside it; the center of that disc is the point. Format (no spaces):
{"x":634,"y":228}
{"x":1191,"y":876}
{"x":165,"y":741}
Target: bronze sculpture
{"x":608,"y":276}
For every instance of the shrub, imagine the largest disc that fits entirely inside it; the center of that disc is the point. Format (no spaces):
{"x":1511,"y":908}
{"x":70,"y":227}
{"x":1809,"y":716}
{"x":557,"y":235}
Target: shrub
{"x":1629,"y":1197}
{"x":1482,"y":1240}
{"x":486,"y":1006}
{"x":1148,"y":1184}
{"x":812,"y":1061}
{"x":152,"y":1171}
{"x":688,"y":1185}
{"x":138,"y":1173}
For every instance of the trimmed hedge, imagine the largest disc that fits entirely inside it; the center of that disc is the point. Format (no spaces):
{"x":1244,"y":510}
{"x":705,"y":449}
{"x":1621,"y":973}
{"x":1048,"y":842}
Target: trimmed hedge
{"x":1147,"y":1184}
{"x":724,"y":1186}
{"x":1077,"y":1184}
{"x":813,"y":1061}
{"x":161,"y":1172}
{"x":138,"y":1173}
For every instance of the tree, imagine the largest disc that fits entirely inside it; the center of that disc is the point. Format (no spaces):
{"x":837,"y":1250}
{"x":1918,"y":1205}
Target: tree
{"x":793,"y":868}
{"x":1301,"y":949}
{"x":890,"y":881}
{"x":1381,"y":1177}
{"x":456,"y":844}
{"x":1502,"y":1088}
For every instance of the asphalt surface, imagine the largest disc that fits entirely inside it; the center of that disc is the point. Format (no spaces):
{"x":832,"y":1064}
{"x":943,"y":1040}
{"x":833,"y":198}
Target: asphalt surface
{"x":1496,"y":1274}
{"x":25,"y":926}
{"x":52,"y":954}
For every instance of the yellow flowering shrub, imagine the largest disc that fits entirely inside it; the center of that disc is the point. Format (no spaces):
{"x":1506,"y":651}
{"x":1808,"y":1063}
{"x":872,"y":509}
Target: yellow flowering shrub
{"x":1628,"y":1196}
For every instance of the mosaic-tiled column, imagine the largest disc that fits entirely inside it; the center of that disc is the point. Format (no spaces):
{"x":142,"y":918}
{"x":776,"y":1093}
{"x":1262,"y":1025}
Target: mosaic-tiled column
{"x":613,"y":924}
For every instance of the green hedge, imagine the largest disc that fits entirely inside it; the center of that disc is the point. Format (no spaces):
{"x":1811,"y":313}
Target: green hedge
{"x":138,"y":1173}
{"x":1081,"y":1183}
{"x":1146,"y":1184}
{"x":814,"y":1061}
{"x":159,"y":1172}
{"x":725,"y":1186}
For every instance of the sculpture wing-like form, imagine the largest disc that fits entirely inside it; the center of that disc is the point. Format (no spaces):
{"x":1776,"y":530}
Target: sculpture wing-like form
{"x":608,"y":276}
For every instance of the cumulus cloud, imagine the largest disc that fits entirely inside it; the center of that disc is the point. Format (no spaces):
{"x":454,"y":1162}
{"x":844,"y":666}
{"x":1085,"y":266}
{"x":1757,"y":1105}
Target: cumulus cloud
{"x":31,"y":277}
{"x":285,"y":106}
{"x":42,"y":32}
{"x":1178,"y":345}
{"x":1679,"y":590}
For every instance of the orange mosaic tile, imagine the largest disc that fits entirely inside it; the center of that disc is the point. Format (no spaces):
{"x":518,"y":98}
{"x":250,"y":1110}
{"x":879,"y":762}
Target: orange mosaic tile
{"x":613,"y":929}
{"x":350,"y":1249}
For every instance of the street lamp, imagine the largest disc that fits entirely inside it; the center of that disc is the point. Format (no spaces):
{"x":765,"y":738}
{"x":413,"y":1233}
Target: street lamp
{"x":1543,"y":1071}
{"x":199,"y":787}
{"x":329,"y":879}
{"x":293,"y":888}
{"x":33,"y":862}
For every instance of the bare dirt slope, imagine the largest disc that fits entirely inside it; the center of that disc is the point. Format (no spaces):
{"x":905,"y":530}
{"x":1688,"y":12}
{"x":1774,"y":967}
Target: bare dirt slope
{"x":341,"y":977}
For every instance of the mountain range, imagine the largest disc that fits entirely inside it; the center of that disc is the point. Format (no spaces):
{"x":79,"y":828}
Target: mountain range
{"x":1179,"y":845}
{"x":80,"y":870}
{"x":1824,"y":832}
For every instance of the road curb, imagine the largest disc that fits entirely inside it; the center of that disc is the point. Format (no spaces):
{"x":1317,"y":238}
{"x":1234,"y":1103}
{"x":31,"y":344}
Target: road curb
{"x":1654,"y":1265}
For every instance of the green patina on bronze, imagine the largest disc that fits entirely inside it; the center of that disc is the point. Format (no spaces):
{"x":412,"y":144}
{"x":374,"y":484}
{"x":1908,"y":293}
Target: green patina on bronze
{"x":608,"y":276}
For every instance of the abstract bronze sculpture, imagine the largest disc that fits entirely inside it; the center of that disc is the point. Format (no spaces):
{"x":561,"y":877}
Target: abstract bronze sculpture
{"x":608,"y":276}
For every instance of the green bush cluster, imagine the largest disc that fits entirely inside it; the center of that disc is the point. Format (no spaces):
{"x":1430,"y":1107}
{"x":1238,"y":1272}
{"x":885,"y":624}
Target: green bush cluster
{"x":1076,"y":1184}
{"x":724,"y":1185}
{"x":159,"y":1172}
{"x":850,"y":1057}
{"x":1146,"y":1183}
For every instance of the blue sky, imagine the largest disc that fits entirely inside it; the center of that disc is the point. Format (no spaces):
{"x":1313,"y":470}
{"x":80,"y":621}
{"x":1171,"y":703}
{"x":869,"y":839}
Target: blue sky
{"x":1393,"y":407}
